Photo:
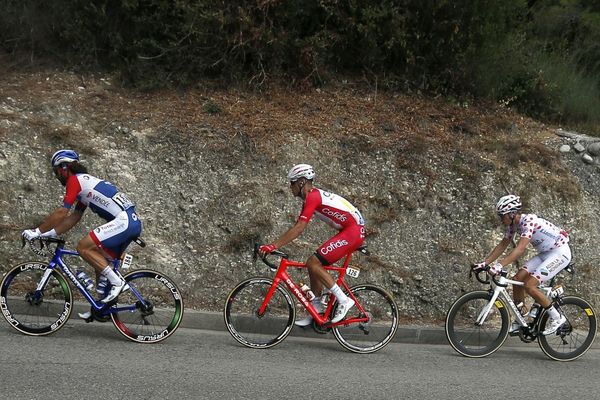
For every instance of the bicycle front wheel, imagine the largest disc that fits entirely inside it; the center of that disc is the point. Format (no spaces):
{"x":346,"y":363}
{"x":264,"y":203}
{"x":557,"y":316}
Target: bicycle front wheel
{"x":30,"y":311}
{"x":469,"y":338}
{"x":151,"y":309}
{"x":256,"y":330}
{"x":382,"y":313}
{"x":576,"y":336}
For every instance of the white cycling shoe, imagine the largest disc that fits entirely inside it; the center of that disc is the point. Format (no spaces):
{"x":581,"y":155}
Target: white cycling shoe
{"x":514,"y":327}
{"x":320,"y":307}
{"x":553,"y":324}
{"x":85,"y":315}
{"x":115,"y":290}
{"x":341,"y":311}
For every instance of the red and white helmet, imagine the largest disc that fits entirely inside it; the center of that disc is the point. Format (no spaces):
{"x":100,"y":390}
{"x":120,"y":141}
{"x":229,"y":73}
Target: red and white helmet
{"x":508,"y":204}
{"x":301,"y":171}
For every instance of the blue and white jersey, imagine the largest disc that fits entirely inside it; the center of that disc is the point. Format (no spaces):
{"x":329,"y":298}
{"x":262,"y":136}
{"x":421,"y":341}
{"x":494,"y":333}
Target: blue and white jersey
{"x":101,"y":196}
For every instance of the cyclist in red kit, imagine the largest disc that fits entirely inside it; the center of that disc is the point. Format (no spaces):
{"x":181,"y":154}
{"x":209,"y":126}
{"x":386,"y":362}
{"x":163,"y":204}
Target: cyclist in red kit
{"x":341,"y":215}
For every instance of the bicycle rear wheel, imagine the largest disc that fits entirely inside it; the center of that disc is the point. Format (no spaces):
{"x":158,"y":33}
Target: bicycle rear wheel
{"x":470,"y":339}
{"x":30,"y":311}
{"x":379,"y":330}
{"x":247,"y":326}
{"x":156,"y":315}
{"x":575,"y":337}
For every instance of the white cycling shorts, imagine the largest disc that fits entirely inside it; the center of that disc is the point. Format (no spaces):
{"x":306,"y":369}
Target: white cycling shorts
{"x":546,"y":265}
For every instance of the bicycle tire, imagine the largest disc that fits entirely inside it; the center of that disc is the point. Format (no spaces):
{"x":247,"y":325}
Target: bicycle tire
{"x":32,"y":313}
{"x":465,"y":336}
{"x":576,"y":336}
{"x":379,"y":330}
{"x":156,"y":317}
{"x":244,"y":323}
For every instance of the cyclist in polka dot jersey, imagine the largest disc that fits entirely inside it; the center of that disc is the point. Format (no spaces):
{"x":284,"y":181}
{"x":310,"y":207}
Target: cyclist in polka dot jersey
{"x":549,"y":241}
{"x":543,"y":235}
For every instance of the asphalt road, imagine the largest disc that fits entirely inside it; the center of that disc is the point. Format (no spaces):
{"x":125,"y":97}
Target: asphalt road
{"x":94,"y":361}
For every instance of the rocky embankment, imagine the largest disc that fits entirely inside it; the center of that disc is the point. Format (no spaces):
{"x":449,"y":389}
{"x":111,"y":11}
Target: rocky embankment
{"x":207,"y":170}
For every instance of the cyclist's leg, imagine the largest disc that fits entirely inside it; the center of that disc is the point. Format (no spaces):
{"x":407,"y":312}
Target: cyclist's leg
{"x":345,"y":242}
{"x":552,"y":263}
{"x":92,"y":254}
{"x":523,"y":275}
{"x":338,"y":246}
{"x":318,"y":275}
{"x":519,"y":291}
{"x":110,"y":240}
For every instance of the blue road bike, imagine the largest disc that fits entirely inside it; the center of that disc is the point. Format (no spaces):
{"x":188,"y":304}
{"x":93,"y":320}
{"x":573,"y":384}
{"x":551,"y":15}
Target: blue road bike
{"x":36,"y":299}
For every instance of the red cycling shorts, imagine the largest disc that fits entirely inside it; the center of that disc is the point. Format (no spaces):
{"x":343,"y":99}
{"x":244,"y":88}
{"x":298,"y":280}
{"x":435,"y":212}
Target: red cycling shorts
{"x":345,"y":242}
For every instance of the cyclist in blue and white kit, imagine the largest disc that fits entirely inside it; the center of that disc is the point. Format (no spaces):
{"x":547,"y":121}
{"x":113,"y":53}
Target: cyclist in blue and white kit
{"x":103,"y":198}
{"x":551,"y":244}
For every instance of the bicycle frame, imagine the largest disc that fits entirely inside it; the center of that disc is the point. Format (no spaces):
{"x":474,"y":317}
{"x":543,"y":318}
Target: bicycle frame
{"x":282,"y":276}
{"x":97,"y":306}
{"x":500,"y":291}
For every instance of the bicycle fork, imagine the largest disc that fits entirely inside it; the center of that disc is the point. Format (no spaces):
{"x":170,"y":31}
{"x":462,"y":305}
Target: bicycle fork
{"x":35,"y":298}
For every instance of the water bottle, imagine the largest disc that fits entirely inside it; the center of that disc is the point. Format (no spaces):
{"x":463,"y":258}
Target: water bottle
{"x":102,"y":285}
{"x":307,"y":292}
{"x":85,"y":280}
{"x":325,"y":296}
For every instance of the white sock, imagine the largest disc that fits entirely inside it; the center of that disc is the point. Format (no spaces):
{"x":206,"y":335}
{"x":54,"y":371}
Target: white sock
{"x":338,"y":293}
{"x":553,"y":313}
{"x":112,"y":277}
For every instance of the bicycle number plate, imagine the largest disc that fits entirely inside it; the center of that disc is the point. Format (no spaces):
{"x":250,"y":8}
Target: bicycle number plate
{"x":353,"y":272}
{"x":126,"y":261}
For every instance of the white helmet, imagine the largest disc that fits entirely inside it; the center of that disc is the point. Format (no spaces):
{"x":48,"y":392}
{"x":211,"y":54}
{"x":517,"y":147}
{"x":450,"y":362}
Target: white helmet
{"x":301,"y":171}
{"x":508,"y":204}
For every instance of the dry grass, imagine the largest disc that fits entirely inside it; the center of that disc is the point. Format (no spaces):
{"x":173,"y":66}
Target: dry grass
{"x":466,"y":140}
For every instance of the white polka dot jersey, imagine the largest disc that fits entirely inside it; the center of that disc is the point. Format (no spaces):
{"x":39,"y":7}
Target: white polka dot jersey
{"x":543,"y":235}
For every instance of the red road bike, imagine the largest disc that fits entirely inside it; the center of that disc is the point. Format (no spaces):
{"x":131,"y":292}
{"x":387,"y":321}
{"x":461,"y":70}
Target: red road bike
{"x":260,"y":312}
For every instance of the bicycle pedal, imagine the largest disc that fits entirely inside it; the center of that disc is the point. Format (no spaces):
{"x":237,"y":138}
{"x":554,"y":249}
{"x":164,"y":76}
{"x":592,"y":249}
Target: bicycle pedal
{"x":97,"y":316}
{"x":320,"y":329}
{"x":89,"y":319}
{"x":110,"y":304}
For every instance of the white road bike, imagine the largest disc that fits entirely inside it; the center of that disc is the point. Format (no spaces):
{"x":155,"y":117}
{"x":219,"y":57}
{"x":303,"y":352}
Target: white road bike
{"x":478,"y":322}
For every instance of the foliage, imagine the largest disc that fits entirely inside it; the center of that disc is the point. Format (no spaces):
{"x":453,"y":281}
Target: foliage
{"x":526,"y":53}
{"x":425,"y":42}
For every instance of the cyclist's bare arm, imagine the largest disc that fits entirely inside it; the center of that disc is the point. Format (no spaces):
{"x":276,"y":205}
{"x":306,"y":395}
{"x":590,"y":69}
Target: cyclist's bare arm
{"x":60,"y":220}
{"x":498,"y":250}
{"x":291,"y":234}
{"x":516,"y":253}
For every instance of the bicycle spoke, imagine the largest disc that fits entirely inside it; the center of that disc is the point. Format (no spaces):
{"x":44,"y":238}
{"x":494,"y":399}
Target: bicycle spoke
{"x":470,"y":339}
{"x":242,"y":314}
{"x":156,"y":315}
{"x":31,"y":312}
{"x":576,"y":336}
{"x":378,"y":331}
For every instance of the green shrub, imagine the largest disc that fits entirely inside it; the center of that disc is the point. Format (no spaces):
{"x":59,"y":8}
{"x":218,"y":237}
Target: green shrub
{"x":541,"y":56}
{"x":157,"y":42}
